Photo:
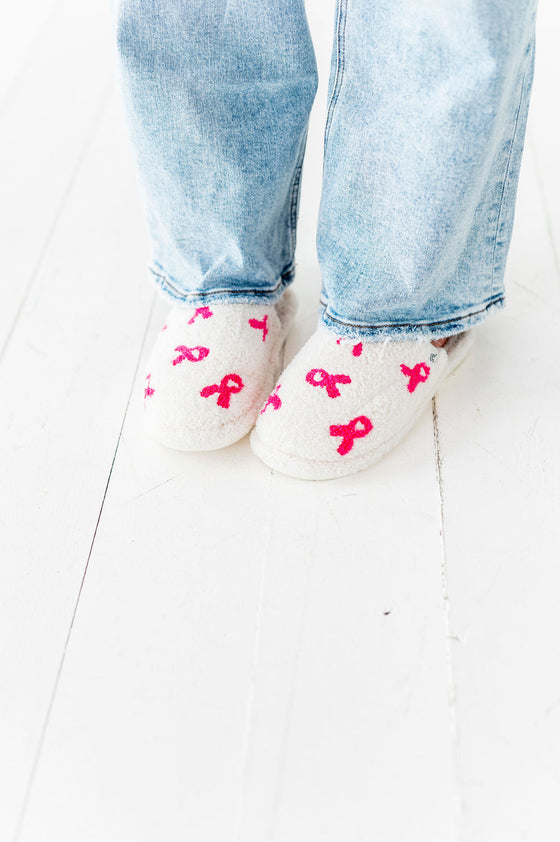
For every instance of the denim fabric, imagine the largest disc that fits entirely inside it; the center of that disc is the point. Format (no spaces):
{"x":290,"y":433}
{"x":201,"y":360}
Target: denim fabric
{"x":424,"y":135}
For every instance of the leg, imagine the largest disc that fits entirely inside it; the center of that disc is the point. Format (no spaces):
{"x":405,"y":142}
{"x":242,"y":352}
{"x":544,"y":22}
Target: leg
{"x":417,"y":204}
{"x":423,"y":142}
{"x":218,"y":96}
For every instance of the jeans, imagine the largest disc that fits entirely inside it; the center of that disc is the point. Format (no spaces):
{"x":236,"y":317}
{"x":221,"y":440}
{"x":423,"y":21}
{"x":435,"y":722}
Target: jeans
{"x":427,"y":110}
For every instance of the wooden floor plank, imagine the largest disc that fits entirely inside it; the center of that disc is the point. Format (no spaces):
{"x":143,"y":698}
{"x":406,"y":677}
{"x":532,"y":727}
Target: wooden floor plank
{"x":24,"y":27}
{"x":67,"y":373}
{"x":501,"y":469}
{"x":544,"y":127}
{"x":45,"y":128}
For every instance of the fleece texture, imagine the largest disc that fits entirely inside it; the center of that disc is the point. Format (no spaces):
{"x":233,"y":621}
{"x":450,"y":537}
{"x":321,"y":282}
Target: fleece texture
{"x":341,"y":405}
{"x":210,"y":370}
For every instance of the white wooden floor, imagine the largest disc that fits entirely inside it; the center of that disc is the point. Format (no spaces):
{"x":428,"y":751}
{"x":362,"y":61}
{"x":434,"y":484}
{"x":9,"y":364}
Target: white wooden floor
{"x":194,"y":648}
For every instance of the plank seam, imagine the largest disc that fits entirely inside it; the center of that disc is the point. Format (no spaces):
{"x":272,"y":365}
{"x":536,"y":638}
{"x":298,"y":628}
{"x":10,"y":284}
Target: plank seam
{"x":92,"y":133}
{"x":250,"y":705}
{"x":31,"y":54}
{"x":451,"y":684}
{"x":549,"y":227}
{"x":50,"y":706}
{"x":273,"y":819}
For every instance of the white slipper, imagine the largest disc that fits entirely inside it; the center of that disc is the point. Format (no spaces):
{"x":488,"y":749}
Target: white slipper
{"x":210,"y":370}
{"x":341,"y":405}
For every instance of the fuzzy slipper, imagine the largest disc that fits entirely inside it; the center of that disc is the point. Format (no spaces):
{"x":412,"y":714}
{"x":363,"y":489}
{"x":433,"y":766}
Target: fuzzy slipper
{"x":211,"y":369}
{"x":341,"y":405}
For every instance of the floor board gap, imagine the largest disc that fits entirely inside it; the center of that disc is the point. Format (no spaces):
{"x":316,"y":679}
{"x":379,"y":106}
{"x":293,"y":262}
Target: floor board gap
{"x":546,"y":210}
{"x":43,"y":732}
{"x":449,"y":637}
{"x":95,"y":124}
{"x":32,"y":51}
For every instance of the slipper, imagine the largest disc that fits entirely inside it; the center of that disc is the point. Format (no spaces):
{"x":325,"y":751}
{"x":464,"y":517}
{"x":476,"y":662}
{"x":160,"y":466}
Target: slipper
{"x":341,"y":405}
{"x":210,"y":370}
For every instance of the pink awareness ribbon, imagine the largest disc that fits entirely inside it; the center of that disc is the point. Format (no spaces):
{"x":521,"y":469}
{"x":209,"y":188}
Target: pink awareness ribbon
{"x":327,"y":380}
{"x":418,"y":374}
{"x":193,"y":354}
{"x":229,"y":385}
{"x":356,"y":349}
{"x":148,"y":390}
{"x":260,"y":324}
{"x":356,"y":429}
{"x":273,"y":400}
{"x":205,"y":312}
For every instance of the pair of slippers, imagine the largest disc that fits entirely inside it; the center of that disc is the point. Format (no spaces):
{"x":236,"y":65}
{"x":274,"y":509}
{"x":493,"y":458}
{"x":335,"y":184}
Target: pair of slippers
{"x":337,"y":408}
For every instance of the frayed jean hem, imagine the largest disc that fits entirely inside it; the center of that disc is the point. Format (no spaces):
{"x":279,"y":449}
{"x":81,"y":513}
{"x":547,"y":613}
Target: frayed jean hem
{"x":406,"y":331}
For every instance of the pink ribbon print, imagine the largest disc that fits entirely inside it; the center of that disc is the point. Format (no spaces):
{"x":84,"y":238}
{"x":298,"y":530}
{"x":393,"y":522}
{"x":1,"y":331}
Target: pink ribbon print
{"x":356,"y":349}
{"x":260,"y":324}
{"x":229,"y":385}
{"x":273,"y":400}
{"x":148,"y":391}
{"x":416,"y":375}
{"x":327,"y":380}
{"x":194,"y":355}
{"x":356,"y":429}
{"x":204,"y":312}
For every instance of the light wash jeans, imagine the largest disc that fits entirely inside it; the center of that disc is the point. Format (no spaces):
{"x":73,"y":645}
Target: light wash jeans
{"x":427,"y":110}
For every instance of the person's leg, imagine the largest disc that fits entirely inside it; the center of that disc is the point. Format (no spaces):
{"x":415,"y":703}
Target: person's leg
{"x":423,"y":142}
{"x":422,"y":151}
{"x":218,"y":96}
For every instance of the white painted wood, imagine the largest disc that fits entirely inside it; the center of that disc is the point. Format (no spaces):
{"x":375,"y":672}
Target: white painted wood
{"x":65,"y":382}
{"x":45,"y":126}
{"x":147,"y":733}
{"x":24,"y":25}
{"x":501,"y":469}
{"x":544,"y":127}
{"x":351,"y":702}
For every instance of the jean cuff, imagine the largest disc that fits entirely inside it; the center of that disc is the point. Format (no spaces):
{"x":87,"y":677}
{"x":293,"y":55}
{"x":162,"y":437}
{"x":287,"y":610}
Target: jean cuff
{"x":437,"y":329}
{"x":225,"y":295}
